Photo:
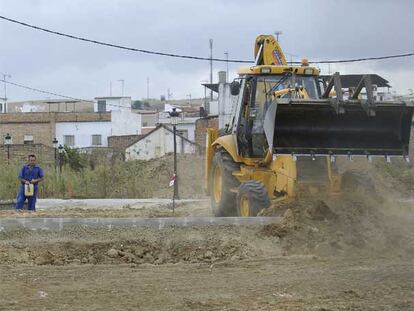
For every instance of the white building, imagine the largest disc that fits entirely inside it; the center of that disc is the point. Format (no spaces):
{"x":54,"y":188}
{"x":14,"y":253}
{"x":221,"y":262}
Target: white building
{"x":122,"y":121}
{"x":185,"y":126}
{"x":50,"y":105}
{"x":84,"y":134}
{"x":157,"y":143}
{"x":112,"y":103}
{"x":125,"y":122}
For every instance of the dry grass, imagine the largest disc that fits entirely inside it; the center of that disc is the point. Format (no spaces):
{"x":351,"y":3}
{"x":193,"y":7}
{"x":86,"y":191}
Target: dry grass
{"x":135,"y":179}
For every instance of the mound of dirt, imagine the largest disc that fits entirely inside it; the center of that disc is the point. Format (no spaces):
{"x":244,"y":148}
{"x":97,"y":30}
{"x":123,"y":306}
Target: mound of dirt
{"x":150,"y":179}
{"x":357,"y":223}
{"x":133,"y":245}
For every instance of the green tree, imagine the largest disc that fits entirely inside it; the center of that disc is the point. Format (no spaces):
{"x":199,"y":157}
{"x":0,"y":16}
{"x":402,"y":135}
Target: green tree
{"x":76,"y":160}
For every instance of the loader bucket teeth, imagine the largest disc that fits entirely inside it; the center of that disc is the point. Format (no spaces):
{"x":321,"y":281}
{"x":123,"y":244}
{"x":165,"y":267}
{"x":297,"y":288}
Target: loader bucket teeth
{"x":315,"y":128}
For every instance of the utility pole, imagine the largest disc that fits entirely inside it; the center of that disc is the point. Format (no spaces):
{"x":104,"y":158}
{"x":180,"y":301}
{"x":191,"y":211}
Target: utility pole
{"x":291,"y":57}
{"x":122,"y":85}
{"x":5,"y":76}
{"x":227,"y":65}
{"x":110,"y":88}
{"x":278,"y":33}
{"x":211,"y":67}
{"x":148,"y":87}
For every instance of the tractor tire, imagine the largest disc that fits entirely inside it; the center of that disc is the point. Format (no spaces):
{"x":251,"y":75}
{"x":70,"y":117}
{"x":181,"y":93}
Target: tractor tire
{"x":223,"y":201}
{"x":252,"y":197}
{"x":353,"y":180}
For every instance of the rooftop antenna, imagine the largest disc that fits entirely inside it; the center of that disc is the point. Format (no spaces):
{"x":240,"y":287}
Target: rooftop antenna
{"x":211,"y":67}
{"x":278,"y":33}
{"x":227,"y":65}
{"x":5,"y":76}
{"x":122,"y":83}
{"x":148,"y":80}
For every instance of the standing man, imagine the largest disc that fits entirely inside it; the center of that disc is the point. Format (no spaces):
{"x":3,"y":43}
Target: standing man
{"x":31,"y":173}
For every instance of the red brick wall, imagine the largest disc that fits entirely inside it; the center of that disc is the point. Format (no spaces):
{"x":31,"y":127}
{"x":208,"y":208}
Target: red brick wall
{"x":201,"y":129}
{"x":41,"y":124}
{"x":121,"y":142}
{"x":18,"y":153}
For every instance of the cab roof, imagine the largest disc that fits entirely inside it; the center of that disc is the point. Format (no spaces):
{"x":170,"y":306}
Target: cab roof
{"x":271,"y":70}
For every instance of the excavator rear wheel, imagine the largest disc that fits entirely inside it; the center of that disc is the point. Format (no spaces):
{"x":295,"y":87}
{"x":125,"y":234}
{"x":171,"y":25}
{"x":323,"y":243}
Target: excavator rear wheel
{"x":252,"y":197}
{"x":223,"y":201}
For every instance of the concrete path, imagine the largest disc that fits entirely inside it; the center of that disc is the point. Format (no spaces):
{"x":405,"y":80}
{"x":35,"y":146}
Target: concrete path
{"x":96,"y":203}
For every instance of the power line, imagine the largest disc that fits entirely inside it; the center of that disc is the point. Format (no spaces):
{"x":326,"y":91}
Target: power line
{"x":120,"y":46}
{"x":56,"y":94}
{"x":362,"y":59}
{"x":191,"y":56}
{"x":40,"y":91}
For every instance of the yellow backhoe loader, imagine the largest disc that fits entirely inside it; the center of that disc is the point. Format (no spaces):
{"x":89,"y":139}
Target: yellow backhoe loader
{"x":287,"y":128}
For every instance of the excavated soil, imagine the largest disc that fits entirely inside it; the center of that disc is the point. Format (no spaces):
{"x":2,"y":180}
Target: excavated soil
{"x":353,"y":251}
{"x":346,"y":225}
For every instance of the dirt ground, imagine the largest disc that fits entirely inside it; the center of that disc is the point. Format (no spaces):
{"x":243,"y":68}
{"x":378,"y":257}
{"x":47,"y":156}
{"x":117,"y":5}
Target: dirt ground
{"x":320,"y":258}
{"x":201,"y":208}
{"x":353,"y":251}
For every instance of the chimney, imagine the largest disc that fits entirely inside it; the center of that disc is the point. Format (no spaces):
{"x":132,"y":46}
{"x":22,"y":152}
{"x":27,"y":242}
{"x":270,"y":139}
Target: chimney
{"x":221,"y":77}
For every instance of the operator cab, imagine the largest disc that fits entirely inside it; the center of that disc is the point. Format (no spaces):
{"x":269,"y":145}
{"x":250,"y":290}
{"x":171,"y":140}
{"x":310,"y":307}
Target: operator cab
{"x":257,"y":93}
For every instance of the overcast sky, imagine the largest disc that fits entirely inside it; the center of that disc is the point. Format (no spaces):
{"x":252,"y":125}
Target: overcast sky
{"x":317,"y":29}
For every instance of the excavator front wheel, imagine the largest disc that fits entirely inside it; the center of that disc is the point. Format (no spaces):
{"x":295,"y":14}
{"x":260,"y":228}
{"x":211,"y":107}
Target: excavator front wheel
{"x":223,"y":201}
{"x":245,"y":208}
{"x":217,"y":191}
{"x":252,"y":197}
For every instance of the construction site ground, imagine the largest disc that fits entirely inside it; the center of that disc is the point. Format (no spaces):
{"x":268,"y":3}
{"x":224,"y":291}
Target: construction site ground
{"x":353,"y":251}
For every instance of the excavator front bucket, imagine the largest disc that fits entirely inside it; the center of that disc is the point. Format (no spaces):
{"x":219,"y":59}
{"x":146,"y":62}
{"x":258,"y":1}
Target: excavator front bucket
{"x":323,"y":127}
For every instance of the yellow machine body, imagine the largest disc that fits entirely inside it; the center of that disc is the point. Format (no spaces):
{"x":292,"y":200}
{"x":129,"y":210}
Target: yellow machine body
{"x":299,"y":121}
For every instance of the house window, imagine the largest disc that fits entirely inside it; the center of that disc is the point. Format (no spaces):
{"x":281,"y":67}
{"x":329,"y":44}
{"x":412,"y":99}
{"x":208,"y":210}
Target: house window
{"x":183,"y":133}
{"x":28,"y":139}
{"x":69,"y":140}
{"x":157,"y":151}
{"x":1,"y":108}
{"x":144,"y":123}
{"x":101,"y":105}
{"x":96,"y":140}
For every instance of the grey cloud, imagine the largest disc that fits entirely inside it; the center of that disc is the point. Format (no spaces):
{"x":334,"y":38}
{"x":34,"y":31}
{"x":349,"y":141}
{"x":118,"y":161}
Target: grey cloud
{"x":315,"y":29}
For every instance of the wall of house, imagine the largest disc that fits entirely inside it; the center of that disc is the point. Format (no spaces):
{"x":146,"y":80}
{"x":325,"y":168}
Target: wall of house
{"x":42,"y":132}
{"x":18,"y":153}
{"x":114,"y":103}
{"x":226,"y":104}
{"x":157,"y":144}
{"x":83,"y":132}
{"x":213,"y":108}
{"x":50,"y":106}
{"x":188,"y":128}
{"x":149,"y":119}
{"x":42,"y":125}
{"x":18,"y":125}
{"x":201,"y":129}
{"x":121,"y":142}
{"x":125,"y":122}
{"x":184,"y":124}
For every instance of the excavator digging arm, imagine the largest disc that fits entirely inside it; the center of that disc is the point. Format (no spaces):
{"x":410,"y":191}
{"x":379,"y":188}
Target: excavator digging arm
{"x":267,"y":51}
